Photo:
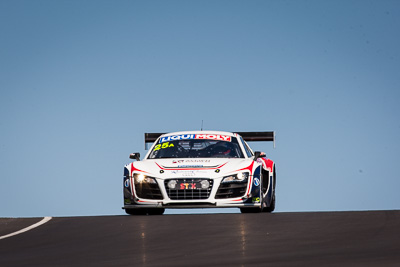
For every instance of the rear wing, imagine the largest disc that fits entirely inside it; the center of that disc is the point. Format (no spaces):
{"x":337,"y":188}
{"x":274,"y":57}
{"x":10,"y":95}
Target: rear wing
{"x":150,"y":138}
{"x":247,"y":136}
{"x":258,"y":136}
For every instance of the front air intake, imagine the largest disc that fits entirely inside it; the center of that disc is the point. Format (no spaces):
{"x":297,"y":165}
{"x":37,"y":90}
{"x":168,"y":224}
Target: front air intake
{"x":231,"y":190}
{"x":188,"y":189}
{"x":148,"y":191}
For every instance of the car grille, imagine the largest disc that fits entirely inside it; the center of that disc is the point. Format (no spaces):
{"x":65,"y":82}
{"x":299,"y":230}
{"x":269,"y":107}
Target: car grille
{"x":231,"y":190}
{"x":188,"y":193}
{"x":148,"y":191}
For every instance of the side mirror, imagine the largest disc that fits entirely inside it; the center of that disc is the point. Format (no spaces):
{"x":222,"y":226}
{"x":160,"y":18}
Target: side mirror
{"x":135,"y":156}
{"x":258,"y":155}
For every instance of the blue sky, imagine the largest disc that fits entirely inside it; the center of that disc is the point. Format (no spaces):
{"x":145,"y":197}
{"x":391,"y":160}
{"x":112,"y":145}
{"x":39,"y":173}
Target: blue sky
{"x":82,"y":81}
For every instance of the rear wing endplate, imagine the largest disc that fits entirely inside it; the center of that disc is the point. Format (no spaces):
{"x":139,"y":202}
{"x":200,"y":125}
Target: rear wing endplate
{"x":247,"y":136}
{"x":150,"y":138}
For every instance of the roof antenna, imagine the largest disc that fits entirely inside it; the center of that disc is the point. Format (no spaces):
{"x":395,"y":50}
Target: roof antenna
{"x":201,"y":125}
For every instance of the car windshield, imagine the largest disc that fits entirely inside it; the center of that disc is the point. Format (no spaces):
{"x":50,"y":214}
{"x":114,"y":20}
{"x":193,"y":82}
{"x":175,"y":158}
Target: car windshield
{"x":196,"y":148}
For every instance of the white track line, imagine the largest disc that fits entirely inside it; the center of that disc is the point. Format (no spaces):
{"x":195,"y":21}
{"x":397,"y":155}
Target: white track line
{"x":43,"y":221}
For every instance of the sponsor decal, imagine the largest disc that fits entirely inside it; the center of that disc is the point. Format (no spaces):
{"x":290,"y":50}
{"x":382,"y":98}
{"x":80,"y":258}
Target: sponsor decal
{"x":214,"y":137}
{"x":190,"y":166}
{"x":256,"y":200}
{"x":256,"y":181}
{"x":177,"y":137}
{"x":185,"y":173}
{"x":196,"y":136}
{"x":194,"y":166}
{"x":197,"y":160}
{"x":191,"y":161}
{"x":184,"y":186}
{"x":126,"y":183}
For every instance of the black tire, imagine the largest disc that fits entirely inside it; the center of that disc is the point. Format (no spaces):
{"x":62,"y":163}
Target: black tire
{"x":155,"y":211}
{"x":250,"y":210}
{"x":271,"y":207}
{"x":136,"y":211}
{"x":264,"y":207}
{"x":264,"y":190}
{"x":245,"y":210}
{"x":265,"y":181}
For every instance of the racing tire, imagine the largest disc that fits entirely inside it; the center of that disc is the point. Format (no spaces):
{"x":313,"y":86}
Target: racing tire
{"x":264,"y":191}
{"x":155,"y":211}
{"x":250,"y":210}
{"x":253,"y":209}
{"x":264,"y":206}
{"x":271,"y":207}
{"x":136,"y":211}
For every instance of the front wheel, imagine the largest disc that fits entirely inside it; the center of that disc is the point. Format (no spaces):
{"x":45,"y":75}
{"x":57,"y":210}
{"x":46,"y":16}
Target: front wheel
{"x":144,"y":211}
{"x":253,"y":209}
{"x":155,"y":211}
{"x":250,"y":210}
{"x":136,"y":211}
{"x":271,"y":207}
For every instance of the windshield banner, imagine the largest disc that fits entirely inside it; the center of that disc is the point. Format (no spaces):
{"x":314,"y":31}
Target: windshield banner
{"x":196,"y":136}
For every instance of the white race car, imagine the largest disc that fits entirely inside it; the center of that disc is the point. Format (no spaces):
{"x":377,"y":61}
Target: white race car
{"x":200,"y":169}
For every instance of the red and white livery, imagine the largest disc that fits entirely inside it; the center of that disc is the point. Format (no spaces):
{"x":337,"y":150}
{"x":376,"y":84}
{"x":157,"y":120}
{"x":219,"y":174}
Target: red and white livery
{"x":200,"y":169}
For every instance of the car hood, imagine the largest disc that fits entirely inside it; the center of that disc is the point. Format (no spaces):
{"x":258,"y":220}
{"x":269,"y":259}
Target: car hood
{"x":193,"y":167}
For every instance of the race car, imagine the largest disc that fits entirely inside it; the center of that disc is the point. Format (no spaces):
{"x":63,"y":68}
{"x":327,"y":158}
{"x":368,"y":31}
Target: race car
{"x":200,"y":169}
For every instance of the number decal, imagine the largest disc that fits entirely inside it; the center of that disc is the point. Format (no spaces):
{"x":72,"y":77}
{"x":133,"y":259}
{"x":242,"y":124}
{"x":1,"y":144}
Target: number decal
{"x":164,"y":145}
{"x":157,"y":147}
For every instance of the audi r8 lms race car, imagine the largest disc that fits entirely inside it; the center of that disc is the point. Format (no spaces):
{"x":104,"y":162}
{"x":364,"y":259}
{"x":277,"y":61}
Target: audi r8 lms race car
{"x":200,"y":169}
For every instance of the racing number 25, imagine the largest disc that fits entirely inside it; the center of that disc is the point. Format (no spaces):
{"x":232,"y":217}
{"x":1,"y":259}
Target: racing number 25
{"x":163,"y":145}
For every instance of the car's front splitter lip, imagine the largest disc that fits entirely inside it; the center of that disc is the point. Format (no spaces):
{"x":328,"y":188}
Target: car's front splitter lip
{"x":132,"y":206}
{"x":191,"y":205}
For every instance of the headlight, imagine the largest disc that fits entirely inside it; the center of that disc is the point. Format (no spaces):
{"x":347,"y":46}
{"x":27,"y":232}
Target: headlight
{"x":172,"y":184}
{"x":205,"y":184}
{"x":143,"y":179}
{"x":234,"y":178}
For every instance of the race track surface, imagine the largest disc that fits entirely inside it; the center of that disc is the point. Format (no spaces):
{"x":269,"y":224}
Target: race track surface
{"x":368,"y":238}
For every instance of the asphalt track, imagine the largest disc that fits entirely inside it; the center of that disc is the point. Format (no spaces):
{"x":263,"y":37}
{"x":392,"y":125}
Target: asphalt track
{"x":367,"y":238}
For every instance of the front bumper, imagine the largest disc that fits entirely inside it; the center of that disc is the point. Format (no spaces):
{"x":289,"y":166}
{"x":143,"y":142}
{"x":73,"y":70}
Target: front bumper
{"x":217,"y":195}
{"x":245,"y":202}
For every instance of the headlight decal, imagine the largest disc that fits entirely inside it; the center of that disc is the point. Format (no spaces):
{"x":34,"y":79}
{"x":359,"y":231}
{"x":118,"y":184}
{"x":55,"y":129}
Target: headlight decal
{"x":133,"y":169}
